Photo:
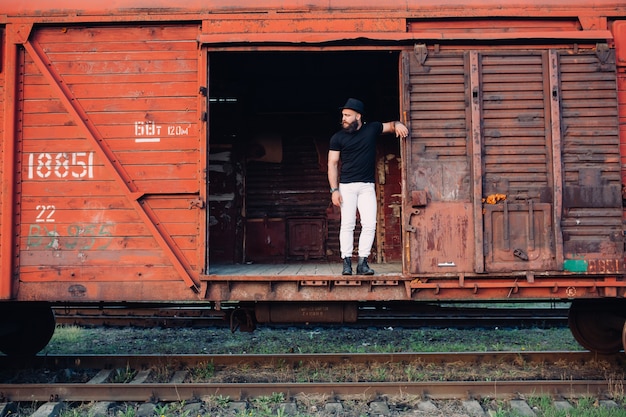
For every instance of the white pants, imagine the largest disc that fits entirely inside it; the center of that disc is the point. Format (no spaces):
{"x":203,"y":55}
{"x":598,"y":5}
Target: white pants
{"x":361,"y":196}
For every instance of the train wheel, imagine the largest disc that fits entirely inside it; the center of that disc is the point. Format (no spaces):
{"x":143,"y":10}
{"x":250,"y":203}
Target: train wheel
{"x":25,"y":328}
{"x":598,"y":325}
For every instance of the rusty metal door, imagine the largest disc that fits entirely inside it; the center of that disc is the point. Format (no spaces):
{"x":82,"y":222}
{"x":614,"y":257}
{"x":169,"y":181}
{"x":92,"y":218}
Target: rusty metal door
{"x":592,"y":188}
{"x":439,"y":219}
{"x":512,"y":93}
{"x":504,"y":153}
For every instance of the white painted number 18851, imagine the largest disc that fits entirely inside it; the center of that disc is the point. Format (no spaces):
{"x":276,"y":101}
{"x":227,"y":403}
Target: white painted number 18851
{"x":60,"y":165}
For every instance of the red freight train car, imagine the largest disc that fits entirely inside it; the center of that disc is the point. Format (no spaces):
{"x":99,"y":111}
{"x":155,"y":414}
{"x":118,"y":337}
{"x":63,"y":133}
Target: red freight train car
{"x":154,"y":151}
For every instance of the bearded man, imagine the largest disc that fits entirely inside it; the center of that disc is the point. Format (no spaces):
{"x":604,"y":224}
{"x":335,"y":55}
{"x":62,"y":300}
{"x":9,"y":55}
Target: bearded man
{"x":353,"y":188}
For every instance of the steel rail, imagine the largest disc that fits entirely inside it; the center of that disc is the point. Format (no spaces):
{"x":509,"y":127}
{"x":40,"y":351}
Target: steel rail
{"x":141,"y":389}
{"x":239,"y":391}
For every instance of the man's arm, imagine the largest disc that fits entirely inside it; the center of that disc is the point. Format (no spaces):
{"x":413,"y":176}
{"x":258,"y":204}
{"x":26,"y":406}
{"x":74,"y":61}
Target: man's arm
{"x":333,"y":176}
{"x":398,"y":128}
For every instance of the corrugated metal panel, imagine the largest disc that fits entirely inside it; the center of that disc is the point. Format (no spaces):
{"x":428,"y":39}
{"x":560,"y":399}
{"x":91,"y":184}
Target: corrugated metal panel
{"x":109,"y":153}
{"x":592,"y":179}
{"x":439,"y":161}
{"x":515,"y":152}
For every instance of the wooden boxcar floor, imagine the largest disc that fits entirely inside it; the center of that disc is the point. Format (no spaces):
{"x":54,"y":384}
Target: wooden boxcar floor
{"x":298,"y":269}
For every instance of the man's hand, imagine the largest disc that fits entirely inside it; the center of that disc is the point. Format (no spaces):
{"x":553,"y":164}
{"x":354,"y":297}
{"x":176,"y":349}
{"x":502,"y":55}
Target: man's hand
{"x":400,"y":130}
{"x":397,"y":128}
{"x":336,"y":197}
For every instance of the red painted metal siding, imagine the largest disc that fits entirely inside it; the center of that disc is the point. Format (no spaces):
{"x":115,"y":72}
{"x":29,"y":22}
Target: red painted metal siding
{"x":109,"y":163}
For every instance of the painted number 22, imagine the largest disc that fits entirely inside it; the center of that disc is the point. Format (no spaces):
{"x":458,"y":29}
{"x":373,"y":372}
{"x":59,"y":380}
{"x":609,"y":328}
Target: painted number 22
{"x":61,"y":165}
{"x":45,"y":214}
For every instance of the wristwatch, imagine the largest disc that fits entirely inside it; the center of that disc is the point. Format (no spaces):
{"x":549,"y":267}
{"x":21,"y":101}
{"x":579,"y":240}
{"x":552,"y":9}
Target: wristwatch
{"x":332,"y":190}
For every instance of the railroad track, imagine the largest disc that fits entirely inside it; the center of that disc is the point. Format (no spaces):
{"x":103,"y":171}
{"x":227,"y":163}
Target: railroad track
{"x":142,"y":386}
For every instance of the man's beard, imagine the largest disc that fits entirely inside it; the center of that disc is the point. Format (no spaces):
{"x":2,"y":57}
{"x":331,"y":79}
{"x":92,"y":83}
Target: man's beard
{"x":351,"y":128}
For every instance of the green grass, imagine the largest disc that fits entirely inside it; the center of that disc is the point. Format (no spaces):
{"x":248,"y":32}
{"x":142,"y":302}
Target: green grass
{"x":73,"y":339}
{"x":68,"y":334}
{"x":582,"y":407}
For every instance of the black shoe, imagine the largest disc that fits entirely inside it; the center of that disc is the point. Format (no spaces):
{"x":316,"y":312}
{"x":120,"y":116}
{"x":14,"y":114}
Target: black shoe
{"x":347,"y":266}
{"x":363,"y":268}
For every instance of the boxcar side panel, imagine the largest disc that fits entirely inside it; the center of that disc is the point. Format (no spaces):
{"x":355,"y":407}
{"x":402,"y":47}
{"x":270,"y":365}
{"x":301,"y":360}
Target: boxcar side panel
{"x":108,"y":151}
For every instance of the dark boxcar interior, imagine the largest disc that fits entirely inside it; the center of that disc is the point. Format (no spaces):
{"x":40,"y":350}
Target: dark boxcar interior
{"x":271,"y":117}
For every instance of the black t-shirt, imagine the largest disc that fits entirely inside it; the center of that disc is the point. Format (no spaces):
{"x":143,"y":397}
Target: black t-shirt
{"x":357,"y":152}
